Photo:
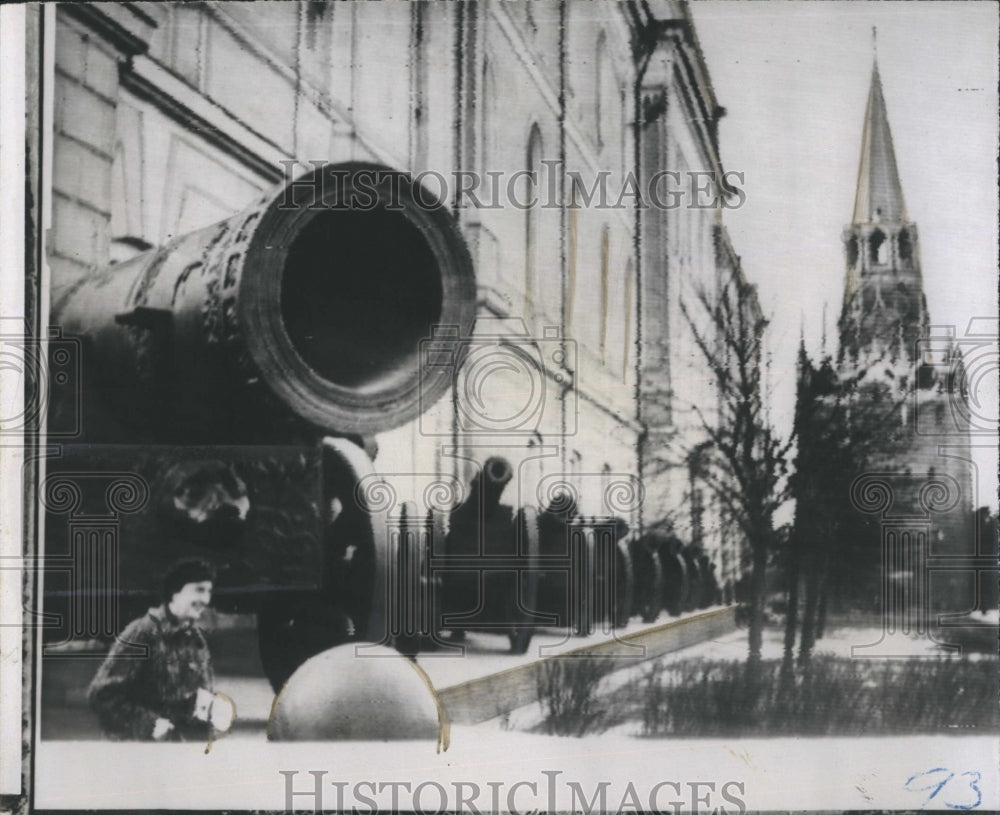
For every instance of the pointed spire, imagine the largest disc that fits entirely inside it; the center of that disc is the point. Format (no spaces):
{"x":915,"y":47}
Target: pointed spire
{"x":879,"y":194}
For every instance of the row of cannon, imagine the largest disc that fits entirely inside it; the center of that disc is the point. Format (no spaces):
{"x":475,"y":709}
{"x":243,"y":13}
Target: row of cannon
{"x":488,"y":567}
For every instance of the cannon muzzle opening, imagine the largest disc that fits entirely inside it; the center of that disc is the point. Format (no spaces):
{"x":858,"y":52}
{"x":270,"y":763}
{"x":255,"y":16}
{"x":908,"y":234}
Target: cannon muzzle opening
{"x":497,"y":471}
{"x":315,"y":304}
{"x":358,"y":293}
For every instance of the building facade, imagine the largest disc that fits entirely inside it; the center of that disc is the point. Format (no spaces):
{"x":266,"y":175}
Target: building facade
{"x":169,"y":117}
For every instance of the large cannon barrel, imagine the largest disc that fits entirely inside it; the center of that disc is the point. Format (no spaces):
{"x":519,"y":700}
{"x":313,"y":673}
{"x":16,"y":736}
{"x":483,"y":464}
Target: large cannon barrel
{"x":309,"y":307}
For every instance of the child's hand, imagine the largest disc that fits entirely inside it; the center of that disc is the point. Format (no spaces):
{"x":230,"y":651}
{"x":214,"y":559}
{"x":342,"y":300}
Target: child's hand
{"x":162,"y":728}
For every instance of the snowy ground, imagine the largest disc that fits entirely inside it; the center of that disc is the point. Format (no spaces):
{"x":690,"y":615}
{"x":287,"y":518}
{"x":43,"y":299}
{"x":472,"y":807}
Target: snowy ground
{"x":494,"y":768}
{"x":526,"y":772}
{"x":839,"y":642}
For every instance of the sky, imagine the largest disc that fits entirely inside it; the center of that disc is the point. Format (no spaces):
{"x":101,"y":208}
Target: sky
{"x":794,"y":79}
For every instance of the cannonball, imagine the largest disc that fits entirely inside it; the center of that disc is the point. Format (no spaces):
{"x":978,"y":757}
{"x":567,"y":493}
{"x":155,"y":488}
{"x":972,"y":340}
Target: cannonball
{"x":356,"y":691}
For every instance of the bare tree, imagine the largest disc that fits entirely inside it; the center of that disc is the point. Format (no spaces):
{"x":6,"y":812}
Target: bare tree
{"x":747,"y":458}
{"x":820,"y":432}
{"x":841,"y":419}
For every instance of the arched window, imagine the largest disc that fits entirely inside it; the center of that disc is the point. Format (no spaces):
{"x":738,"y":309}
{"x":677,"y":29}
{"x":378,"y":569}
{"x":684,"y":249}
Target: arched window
{"x":627,"y":336}
{"x":605,"y":290}
{"x":608,"y":97}
{"x":573,"y":240}
{"x":318,"y":41}
{"x":624,"y":129}
{"x":697,"y":516}
{"x":877,"y":247}
{"x":531,"y":223}
{"x":697,"y":465}
{"x":600,"y":99}
{"x":905,"y":247}
{"x":852,"y":251}
{"x":486,"y":118}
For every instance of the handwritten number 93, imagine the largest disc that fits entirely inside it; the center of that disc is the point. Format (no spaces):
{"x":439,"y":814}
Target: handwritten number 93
{"x":958,"y":791}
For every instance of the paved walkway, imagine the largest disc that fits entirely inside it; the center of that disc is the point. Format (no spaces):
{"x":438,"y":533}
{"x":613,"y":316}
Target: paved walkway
{"x":487,"y":654}
{"x":482,"y":655}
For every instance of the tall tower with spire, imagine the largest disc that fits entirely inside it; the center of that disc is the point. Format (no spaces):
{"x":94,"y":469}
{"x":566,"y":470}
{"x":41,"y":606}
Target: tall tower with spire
{"x":884,"y":412}
{"x":884,"y":310}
